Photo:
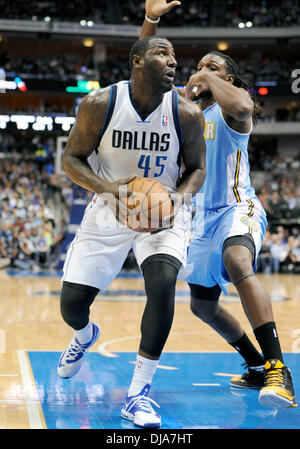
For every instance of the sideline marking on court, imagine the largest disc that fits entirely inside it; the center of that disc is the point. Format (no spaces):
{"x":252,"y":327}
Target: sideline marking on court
{"x":30,"y":392}
{"x":9,"y":375}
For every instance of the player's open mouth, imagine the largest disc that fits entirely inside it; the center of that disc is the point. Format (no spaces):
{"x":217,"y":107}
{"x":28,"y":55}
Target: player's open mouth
{"x":170,"y":75}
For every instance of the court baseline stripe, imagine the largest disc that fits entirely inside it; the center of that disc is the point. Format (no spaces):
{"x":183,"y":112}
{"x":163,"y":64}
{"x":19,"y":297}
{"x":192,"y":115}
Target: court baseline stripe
{"x":30,"y":392}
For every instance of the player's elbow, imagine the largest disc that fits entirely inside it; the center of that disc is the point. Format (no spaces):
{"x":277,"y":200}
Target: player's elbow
{"x":244,"y":114}
{"x":66,"y":163}
{"x":244,"y":110}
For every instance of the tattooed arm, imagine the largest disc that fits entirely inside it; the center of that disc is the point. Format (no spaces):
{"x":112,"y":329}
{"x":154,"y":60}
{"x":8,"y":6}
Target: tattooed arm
{"x":83,"y":140}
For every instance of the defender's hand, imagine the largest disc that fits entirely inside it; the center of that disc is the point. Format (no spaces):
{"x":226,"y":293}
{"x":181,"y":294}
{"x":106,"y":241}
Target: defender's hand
{"x":196,"y":83}
{"x":156,"y":8}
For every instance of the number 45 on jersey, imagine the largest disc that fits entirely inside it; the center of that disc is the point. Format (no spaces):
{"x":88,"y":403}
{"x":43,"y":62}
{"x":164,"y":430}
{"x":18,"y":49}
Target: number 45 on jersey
{"x":158,"y":168}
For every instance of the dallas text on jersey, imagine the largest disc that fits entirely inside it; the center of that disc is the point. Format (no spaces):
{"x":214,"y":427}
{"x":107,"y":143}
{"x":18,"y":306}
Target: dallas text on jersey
{"x":128,"y":140}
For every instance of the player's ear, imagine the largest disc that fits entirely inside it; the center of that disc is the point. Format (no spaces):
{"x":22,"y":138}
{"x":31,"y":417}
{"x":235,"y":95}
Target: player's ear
{"x":137,"y":62}
{"x":230,"y":78}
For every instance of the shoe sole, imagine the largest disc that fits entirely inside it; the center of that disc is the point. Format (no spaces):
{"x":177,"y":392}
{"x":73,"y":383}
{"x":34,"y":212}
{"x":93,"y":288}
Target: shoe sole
{"x":69,"y":377}
{"x":79,"y":365}
{"x":273,"y":400}
{"x":131,"y":417}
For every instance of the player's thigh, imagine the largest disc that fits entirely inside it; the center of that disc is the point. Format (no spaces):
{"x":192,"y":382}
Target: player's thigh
{"x":97,"y":253}
{"x":243,"y":226}
{"x":173,"y":241}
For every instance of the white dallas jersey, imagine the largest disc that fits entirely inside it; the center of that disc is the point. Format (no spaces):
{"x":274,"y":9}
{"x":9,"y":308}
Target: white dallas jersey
{"x":131,"y":146}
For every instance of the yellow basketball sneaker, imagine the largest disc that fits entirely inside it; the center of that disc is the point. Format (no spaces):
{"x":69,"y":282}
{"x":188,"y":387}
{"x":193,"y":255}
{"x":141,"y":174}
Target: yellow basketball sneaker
{"x":278,"y":391}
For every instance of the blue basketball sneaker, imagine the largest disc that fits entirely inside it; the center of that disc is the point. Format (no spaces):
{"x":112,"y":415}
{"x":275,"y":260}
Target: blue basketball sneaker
{"x":138,"y":409}
{"x":70,"y":361}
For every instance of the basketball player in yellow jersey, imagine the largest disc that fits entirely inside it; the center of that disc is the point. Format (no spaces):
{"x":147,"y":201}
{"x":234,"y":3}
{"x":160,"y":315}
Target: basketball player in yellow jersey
{"x":142,"y":128}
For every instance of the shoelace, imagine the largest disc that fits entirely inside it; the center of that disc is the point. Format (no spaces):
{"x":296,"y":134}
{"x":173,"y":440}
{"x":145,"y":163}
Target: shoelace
{"x":144,"y":403}
{"x":74,"y":350}
{"x":274,"y":377}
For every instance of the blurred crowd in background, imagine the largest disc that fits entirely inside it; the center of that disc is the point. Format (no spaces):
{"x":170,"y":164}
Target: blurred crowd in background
{"x":35,"y":203}
{"x":115,"y":69}
{"x":35,"y":206}
{"x":195,"y":13}
{"x":280,"y":251}
{"x":34,"y":211}
{"x":257,"y":68}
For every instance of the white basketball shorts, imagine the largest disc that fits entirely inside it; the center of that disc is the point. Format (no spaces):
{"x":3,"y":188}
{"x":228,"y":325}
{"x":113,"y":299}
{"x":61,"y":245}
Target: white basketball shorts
{"x":101,"y":244}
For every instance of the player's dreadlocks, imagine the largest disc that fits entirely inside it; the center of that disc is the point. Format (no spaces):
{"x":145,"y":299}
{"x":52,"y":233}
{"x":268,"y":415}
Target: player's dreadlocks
{"x":240,"y":81}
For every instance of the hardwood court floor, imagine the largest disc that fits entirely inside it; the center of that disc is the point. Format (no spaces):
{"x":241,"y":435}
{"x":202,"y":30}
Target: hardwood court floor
{"x":30,"y":321}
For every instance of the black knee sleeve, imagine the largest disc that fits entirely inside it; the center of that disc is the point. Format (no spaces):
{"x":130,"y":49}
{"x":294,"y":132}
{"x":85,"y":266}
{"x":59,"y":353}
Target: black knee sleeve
{"x":75,"y":302}
{"x":238,"y":268}
{"x":160,"y":275}
{"x":204,"y":301}
{"x":205,"y":293}
{"x":244,"y":240}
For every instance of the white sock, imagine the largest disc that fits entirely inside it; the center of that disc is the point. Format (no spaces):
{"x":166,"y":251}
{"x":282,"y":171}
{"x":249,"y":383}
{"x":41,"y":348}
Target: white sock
{"x":143,"y":373}
{"x":85,"y":335}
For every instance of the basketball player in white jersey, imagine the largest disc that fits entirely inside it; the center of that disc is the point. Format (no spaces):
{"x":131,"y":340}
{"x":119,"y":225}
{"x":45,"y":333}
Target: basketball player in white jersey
{"x":134,"y":128}
{"x":230,"y":223}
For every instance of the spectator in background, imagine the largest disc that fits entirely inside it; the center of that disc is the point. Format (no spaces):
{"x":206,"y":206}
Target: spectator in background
{"x":24,"y":259}
{"x":41,"y":247}
{"x":265,"y":261}
{"x":10,"y":245}
{"x":292,"y":259}
{"x":279,"y":251}
{"x":59,"y":234}
{"x":4,"y":259}
{"x":275,"y":205}
{"x":26,"y":220}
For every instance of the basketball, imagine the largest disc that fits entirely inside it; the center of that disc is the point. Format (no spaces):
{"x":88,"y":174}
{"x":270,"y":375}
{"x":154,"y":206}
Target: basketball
{"x":148,"y":205}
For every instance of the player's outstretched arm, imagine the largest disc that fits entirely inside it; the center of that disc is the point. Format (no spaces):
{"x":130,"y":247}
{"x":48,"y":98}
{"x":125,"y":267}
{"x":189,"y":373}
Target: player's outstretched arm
{"x":154,"y":10}
{"x":83,"y":140}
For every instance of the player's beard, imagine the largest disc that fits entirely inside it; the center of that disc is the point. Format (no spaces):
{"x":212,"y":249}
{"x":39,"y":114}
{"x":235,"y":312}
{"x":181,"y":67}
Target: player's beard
{"x":160,"y":85}
{"x":156,"y":80}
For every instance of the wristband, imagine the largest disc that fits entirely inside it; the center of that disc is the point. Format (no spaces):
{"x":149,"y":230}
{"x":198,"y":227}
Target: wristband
{"x":151,"y":20}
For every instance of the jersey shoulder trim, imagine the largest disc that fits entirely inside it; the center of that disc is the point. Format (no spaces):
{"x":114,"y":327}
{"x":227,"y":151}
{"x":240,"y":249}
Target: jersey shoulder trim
{"x":111,"y":106}
{"x":110,"y":110}
{"x":176,"y":117}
